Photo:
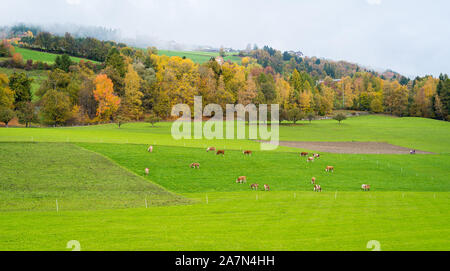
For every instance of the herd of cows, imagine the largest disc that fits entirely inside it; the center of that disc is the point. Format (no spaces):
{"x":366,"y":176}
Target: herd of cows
{"x":254,"y":186}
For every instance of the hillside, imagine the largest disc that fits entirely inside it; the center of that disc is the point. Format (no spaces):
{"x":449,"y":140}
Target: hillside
{"x":44,"y":56}
{"x":77,"y":178}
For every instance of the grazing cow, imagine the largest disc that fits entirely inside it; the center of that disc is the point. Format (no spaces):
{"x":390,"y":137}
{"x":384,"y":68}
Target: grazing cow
{"x":316,"y":155}
{"x":195,"y":165}
{"x":329,"y":169}
{"x":365,"y":187}
{"x":313,"y":180}
{"x":303,"y":154}
{"x":266,"y":187}
{"x":147,"y":171}
{"x":247,"y":152}
{"x":310,"y":159}
{"x":254,"y":186}
{"x":210,"y":149}
{"x":150,"y":149}
{"x":317,"y":188}
{"x":412,"y":152}
{"x":241,"y":179}
{"x":220,"y":152}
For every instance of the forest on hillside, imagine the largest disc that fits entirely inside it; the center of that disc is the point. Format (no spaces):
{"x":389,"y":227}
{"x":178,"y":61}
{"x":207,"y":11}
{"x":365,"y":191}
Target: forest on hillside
{"x":138,"y":84}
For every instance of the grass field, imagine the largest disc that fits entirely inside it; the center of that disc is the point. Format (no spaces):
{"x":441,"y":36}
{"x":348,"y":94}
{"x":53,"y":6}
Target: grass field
{"x":44,"y":56}
{"x":97,"y":173}
{"x":200,"y":57}
{"x":79,"y":179}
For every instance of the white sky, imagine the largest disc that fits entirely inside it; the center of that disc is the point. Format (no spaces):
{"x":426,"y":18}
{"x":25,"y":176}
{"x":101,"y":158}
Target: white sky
{"x":411,"y":37}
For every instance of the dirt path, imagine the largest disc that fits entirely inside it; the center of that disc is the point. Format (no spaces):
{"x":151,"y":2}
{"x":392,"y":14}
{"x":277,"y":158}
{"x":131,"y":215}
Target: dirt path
{"x":350,"y":147}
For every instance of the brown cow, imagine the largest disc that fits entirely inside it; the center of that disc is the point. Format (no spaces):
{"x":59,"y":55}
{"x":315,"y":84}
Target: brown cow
{"x":247,"y":152}
{"x":310,"y":159}
{"x":313,"y":180}
{"x":303,"y":154}
{"x":254,"y":186}
{"x":220,"y":152}
{"x":365,"y":187}
{"x":147,"y":171}
{"x":195,"y":165}
{"x":241,"y":179}
{"x":316,"y":155}
{"x":266,"y":187}
{"x":329,"y":169}
{"x":317,"y":188}
{"x":211,"y":149}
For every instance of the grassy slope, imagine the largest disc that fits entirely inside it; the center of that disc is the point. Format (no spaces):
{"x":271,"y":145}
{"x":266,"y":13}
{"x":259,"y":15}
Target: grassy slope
{"x":44,"y":56}
{"x":79,"y":179}
{"x":199,"y":57}
{"x":293,"y":219}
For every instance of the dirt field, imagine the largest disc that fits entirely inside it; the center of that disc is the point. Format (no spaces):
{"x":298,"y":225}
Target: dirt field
{"x":350,"y":147}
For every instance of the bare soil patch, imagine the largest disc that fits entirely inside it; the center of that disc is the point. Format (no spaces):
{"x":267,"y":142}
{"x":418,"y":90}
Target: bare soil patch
{"x":350,"y":147}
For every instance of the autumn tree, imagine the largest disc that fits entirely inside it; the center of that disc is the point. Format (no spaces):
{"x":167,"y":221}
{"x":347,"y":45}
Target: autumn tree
{"x":283,"y":91}
{"x":178,"y":80}
{"x":247,"y":94}
{"x":108,"y":102}
{"x":131,"y":102}
{"x":6,"y":49}
{"x":6,"y":94}
{"x":26,"y":113}
{"x":395,"y":98}
{"x":6,"y":115}
{"x":62,"y":81}
{"x":325,"y":100}
{"x":17,"y":60}
{"x":55,"y":107}
{"x":21,"y":85}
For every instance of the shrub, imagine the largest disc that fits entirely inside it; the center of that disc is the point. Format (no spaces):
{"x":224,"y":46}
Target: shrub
{"x":153,"y":118}
{"x":340,"y":117}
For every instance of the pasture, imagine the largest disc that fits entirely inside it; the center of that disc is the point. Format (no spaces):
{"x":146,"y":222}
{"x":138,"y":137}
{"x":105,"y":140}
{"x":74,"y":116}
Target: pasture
{"x":199,"y":56}
{"x":44,"y":56}
{"x":97,"y":175}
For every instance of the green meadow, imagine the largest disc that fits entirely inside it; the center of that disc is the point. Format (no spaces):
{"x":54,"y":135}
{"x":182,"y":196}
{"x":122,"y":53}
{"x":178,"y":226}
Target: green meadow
{"x":44,"y":56}
{"x":107,"y":202}
{"x":199,"y":56}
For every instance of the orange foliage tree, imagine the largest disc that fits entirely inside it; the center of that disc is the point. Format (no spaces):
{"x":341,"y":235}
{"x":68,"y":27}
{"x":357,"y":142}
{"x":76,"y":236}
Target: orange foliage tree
{"x":108,"y":102}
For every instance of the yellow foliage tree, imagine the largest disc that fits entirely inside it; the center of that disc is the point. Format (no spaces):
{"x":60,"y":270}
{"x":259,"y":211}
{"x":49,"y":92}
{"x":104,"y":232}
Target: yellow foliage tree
{"x":132,"y":99}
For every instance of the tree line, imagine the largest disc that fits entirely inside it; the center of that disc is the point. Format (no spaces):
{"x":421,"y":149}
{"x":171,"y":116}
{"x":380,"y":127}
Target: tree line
{"x":135,"y":84}
{"x":317,"y":68}
{"x":88,"y":47}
